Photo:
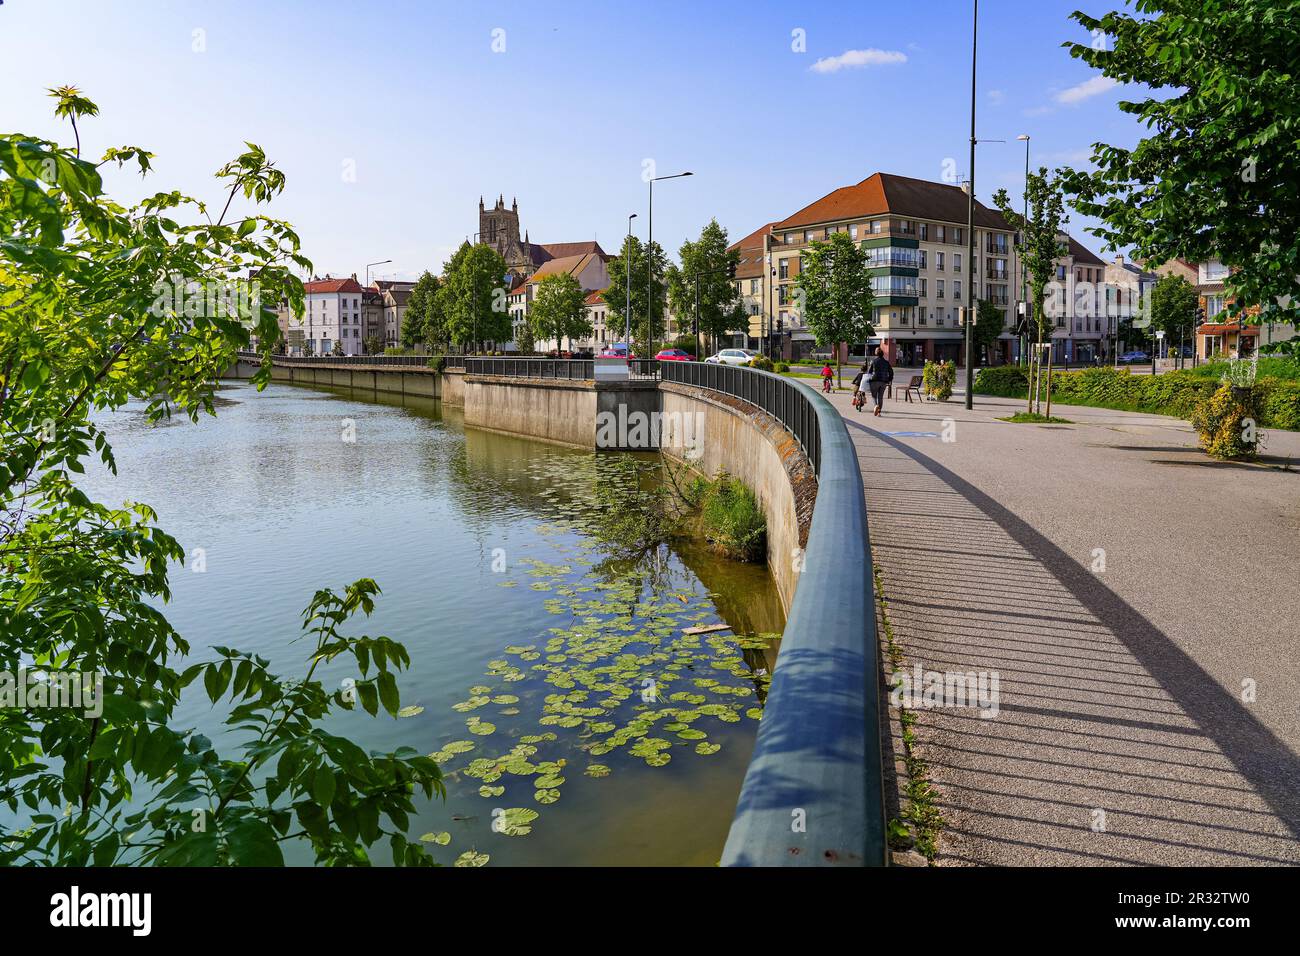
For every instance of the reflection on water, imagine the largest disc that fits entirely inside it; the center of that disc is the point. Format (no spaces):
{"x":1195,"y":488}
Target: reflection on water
{"x":493,"y":581}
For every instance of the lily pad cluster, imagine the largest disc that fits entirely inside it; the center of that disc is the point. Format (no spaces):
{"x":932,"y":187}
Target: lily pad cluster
{"x":615,"y":675}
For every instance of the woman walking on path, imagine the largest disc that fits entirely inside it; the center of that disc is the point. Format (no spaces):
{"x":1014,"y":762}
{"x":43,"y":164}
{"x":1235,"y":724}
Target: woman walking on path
{"x":879,"y":375}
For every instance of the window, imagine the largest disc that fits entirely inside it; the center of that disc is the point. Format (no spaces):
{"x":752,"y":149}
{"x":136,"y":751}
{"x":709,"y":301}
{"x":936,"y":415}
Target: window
{"x":956,"y":262}
{"x":788,"y":237}
{"x":938,"y":288}
{"x":920,"y":313}
{"x":924,"y":260}
{"x":956,"y":290}
{"x":753,"y":286}
{"x":783,"y":269}
{"x":877,"y":226}
{"x":925,"y":234}
{"x":922,"y":287}
{"x":853,"y":231}
{"x":807,"y":236}
{"x":940,"y":233}
{"x":1213,"y":305}
{"x":938,"y":260}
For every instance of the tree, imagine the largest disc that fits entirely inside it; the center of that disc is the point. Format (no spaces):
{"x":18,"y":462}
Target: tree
{"x":706,"y":268}
{"x":472,"y":297}
{"x":373,"y":345}
{"x":1216,"y":177}
{"x":1173,"y":308}
{"x":1041,"y":244}
{"x":633,"y":256}
{"x":559,"y":310}
{"x":102,"y":304}
{"x":988,"y":329}
{"x":424,"y":320}
{"x":833,"y":292}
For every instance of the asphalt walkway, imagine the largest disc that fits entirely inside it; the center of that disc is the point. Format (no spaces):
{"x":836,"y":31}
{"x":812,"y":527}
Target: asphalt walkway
{"x":1140,"y":606}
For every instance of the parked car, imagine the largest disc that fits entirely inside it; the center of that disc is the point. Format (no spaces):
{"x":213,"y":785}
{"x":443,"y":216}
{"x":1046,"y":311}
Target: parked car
{"x":1135,"y":356}
{"x":617,"y":350}
{"x":674,"y":355}
{"x":732,"y":357}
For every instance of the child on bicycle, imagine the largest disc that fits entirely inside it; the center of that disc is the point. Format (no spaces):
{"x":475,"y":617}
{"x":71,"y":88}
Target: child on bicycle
{"x":827,"y":374}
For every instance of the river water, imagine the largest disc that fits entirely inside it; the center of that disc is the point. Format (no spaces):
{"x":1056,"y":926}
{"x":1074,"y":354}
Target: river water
{"x":551,"y":677}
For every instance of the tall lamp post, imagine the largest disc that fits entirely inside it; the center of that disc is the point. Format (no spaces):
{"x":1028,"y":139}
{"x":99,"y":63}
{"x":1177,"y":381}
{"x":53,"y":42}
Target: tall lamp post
{"x":649,"y":264}
{"x":368,"y":265}
{"x":627,"y":277}
{"x":1024,"y":290}
{"x":970,"y":223}
{"x":473,"y":294}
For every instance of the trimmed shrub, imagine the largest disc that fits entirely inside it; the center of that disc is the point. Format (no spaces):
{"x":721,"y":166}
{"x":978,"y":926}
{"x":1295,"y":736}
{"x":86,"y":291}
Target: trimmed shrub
{"x":1228,"y":422}
{"x":1173,"y":393}
{"x":438,"y":363}
{"x":1004,"y":381}
{"x":781,"y":367}
{"x":938,"y":379}
{"x":762,"y":362}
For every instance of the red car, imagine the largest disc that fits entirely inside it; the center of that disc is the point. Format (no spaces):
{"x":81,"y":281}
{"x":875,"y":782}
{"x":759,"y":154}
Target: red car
{"x":674,"y":355}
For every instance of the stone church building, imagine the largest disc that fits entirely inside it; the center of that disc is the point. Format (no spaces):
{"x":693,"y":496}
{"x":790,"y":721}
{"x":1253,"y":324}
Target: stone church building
{"x":499,"y":228}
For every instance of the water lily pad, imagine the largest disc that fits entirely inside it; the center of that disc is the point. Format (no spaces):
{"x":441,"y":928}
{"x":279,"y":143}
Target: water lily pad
{"x":442,"y":839}
{"x":597,"y":770}
{"x":515,"y":821}
{"x":486,"y":791}
{"x":471,"y":858}
{"x":704,"y":748}
{"x":546,"y":796}
{"x":412,"y":711}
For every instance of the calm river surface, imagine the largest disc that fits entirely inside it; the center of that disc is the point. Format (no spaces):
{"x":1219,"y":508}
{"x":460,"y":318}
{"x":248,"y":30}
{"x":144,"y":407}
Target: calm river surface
{"x":550,"y":678}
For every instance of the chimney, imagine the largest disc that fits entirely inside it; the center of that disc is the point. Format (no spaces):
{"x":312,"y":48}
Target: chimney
{"x":965,"y":186}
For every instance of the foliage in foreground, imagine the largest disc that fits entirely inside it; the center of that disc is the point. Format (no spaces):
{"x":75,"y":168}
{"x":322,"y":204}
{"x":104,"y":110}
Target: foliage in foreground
{"x":729,"y":517}
{"x":101,"y":305}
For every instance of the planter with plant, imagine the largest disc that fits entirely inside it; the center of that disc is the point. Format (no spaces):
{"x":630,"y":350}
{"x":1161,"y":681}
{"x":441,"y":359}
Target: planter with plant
{"x":938,"y":379}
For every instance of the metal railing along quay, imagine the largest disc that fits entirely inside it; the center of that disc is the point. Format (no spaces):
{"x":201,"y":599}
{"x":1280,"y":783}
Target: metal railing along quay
{"x":575,"y":370}
{"x":817,"y":760}
{"x":782,"y":398}
{"x":407,"y":361}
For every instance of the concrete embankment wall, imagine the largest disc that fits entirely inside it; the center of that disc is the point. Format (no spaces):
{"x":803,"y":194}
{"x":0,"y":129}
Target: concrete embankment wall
{"x":712,"y":432}
{"x":424,"y":383}
{"x":554,"y":411}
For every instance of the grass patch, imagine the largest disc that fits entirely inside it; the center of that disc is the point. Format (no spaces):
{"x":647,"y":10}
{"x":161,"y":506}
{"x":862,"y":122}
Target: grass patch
{"x":730,"y":518}
{"x":921,"y":821}
{"x":1033,"y":418}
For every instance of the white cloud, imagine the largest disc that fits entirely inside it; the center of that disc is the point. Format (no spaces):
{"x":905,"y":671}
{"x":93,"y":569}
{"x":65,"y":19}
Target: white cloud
{"x":1085,"y":90}
{"x":997,"y":97}
{"x":857,"y":59}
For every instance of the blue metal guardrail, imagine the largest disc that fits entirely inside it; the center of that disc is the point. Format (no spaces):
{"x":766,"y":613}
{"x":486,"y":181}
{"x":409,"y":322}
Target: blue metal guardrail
{"x":410,"y":361}
{"x":782,"y":398}
{"x":813,"y":794}
{"x":575,"y":370}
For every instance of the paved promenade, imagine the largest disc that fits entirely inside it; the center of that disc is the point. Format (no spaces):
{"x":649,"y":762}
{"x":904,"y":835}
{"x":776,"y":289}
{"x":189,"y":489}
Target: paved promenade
{"x":1162,"y":691}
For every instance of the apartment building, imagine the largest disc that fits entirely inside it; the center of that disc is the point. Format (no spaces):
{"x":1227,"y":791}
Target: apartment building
{"x":1082,"y":331}
{"x":915,"y":235}
{"x":1128,"y":285}
{"x":591,"y":269}
{"x":394,"y":298}
{"x":751,"y":285}
{"x":332,"y":316}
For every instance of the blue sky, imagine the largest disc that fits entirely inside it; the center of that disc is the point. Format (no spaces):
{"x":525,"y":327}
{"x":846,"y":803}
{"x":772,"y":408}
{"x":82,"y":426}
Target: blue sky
{"x":413,"y":98}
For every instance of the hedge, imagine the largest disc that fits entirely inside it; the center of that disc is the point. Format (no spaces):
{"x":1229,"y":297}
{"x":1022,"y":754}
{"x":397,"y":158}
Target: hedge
{"x":1173,"y":393}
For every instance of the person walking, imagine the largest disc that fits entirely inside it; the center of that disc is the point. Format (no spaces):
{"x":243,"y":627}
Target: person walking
{"x":879,"y":374}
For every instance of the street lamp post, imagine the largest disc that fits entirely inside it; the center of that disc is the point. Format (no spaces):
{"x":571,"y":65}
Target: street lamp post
{"x":368,"y":265}
{"x":649,"y":264}
{"x":473,"y":293}
{"x":627,"y":276}
{"x":1024,"y":274}
{"x":970,"y":223}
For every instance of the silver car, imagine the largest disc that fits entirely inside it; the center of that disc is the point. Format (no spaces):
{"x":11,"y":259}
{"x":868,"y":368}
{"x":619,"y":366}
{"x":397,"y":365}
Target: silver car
{"x":732,"y":357}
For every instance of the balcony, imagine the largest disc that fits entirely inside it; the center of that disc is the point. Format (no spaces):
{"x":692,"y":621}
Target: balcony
{"x":893,"y":258}
{"x":996,"y":248}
